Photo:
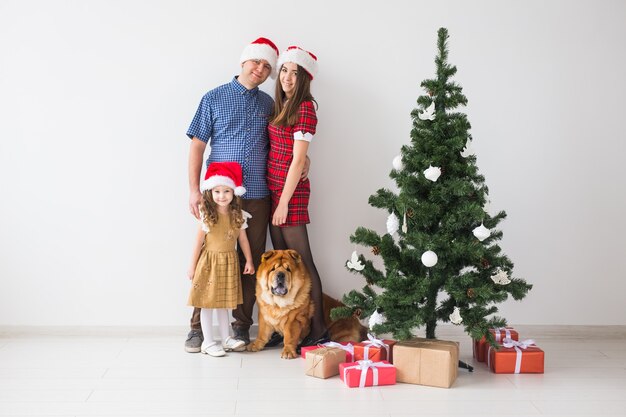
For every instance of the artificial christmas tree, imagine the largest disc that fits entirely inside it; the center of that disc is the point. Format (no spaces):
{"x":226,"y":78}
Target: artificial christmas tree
{"x":440,"y":252}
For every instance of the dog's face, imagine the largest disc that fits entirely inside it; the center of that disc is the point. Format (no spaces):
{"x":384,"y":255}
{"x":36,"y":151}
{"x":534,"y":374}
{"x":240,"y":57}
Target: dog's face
{"x":281,"y":275}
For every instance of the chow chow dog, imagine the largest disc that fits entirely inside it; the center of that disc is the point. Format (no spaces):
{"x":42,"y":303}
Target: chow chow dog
{"x":283,"y":293}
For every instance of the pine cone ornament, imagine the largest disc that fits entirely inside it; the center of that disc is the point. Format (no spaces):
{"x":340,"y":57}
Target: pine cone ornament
{"x":376,"y":250}
{"x":485,"y":263}
{"x":471,"y":293}
{"x":410,"y":213}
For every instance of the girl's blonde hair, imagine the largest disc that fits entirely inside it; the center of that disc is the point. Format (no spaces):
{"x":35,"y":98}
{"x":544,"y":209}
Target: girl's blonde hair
{"x":208,"y":211}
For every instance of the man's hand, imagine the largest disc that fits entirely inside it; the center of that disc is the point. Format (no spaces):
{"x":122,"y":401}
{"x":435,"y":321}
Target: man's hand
{"x":195,"y":199}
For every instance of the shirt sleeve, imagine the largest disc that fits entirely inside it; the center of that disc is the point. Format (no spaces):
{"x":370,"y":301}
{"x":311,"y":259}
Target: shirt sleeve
{"x":304,"y":129}
{"x":202,"y":123}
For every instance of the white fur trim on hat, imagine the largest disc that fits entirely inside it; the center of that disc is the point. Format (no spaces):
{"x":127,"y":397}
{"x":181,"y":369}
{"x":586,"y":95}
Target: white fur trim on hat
{"x":301,"y":57}
{"x":217,"y":180}
{"x":262,"y":48}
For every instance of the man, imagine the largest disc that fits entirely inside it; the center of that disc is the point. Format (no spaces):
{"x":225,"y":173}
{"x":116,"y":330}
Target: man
{"x":233,"y":117}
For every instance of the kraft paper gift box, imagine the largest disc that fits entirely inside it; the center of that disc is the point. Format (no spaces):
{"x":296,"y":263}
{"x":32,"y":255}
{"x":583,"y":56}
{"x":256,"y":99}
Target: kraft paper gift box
{"x":324,"y":362}
{"x":374,"y":349}
{"x":348,"y":347}
{"x":429,"y":362}
{"x":366,"y":373}
{"x":515,"y":357}
{"x":480,"y":347}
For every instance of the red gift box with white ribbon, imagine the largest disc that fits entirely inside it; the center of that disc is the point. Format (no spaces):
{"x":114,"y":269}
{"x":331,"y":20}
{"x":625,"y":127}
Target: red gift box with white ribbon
{"x":366,"y":373}
{"x":481,"y":346}
{"x":374,"y":349}
{"x":515,"y":357}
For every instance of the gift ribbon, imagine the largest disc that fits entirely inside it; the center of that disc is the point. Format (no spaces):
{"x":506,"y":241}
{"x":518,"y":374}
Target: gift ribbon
{"x":349,"y":348}
{"x":518,"y":346}
{"x":364,"y":365}
{"x":507,"y":333}
{"x":375,"y":343}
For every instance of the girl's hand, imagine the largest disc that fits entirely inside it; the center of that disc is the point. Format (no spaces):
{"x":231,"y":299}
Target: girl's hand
{"x":191,"y":272}
{"x":248,"y":269}
{"x":280,"y":214}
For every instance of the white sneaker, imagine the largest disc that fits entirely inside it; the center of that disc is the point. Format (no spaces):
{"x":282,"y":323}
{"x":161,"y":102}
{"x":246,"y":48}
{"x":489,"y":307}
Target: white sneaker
{"x":213,"y":349}
{"x":234,"y":345}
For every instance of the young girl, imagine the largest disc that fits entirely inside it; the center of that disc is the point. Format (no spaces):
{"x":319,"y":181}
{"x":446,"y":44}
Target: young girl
{"x":291,"y":129}
{"x":214,"y":265}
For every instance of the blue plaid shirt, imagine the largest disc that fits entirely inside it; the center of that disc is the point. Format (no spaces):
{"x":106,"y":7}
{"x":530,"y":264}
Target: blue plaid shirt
{"x":235,"y":119}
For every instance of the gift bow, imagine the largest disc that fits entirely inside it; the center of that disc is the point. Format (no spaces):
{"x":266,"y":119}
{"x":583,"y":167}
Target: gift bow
{"x":364,"y":365}
{"x":374,"y":342}
{"x":510,"y":343}
{"x":348,"y":348}
{"x":507,"y":333}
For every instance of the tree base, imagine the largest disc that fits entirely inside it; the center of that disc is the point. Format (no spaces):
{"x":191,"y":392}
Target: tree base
{"x":467,"y":366}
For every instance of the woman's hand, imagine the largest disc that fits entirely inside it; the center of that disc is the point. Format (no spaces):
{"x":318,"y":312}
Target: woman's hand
{"x":280,"y":214}
{"x":248,"y":269}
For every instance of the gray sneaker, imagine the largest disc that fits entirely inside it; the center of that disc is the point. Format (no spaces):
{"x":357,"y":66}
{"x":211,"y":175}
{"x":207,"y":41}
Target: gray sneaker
{"x":194,"y":341}
{"x":242,"y":334}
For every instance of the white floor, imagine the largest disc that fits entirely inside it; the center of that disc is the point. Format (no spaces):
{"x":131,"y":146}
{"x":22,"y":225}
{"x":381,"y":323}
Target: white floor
{"x":125,"y":372}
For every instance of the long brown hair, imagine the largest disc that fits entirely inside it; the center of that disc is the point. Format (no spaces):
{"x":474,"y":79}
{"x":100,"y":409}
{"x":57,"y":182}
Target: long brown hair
{"x":285,"y":111}
{"x":208,"y":211}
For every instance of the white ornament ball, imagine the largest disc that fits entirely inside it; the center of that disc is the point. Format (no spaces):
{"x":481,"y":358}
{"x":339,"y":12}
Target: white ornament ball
{"x":393,"y":224}
{"x":376,"y":318}
{"x":429,"y":258}
{"x":455,"y":317}
{"x":432,"y":173}
{"x":481,"y":232}
{"x":397,"y":163}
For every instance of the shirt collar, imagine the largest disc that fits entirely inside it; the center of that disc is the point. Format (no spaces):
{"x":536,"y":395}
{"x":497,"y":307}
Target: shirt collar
{"x":241,"y":89}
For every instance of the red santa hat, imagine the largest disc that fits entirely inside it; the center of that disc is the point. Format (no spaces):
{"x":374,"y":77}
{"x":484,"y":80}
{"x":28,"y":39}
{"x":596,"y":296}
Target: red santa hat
{"x":223,"y":173}
{"x":261,"y":48}
{"x":299,"y":56}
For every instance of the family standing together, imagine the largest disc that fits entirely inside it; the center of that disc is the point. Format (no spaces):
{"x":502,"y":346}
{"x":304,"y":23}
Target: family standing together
{"x":256,"y":177}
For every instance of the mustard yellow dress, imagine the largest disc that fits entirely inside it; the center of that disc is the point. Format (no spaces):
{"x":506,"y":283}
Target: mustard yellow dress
{"x":217,"y":280}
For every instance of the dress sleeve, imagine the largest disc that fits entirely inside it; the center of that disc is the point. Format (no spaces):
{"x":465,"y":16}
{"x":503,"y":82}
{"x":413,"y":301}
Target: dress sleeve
{"x":245,"y":216}
{"x":203,"y":224}
{"x":304,"y":129}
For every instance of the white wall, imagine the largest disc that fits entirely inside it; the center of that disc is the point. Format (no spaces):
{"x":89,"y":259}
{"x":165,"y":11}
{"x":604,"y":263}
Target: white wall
{"x":96,"y":97}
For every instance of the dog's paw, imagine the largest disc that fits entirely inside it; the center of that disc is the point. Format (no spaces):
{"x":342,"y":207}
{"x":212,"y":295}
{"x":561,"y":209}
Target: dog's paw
{"x":288,"y":353}
{"x":255,"y":346}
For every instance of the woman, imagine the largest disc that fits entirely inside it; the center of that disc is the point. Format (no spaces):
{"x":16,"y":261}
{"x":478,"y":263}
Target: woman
{"x":291,"y":128}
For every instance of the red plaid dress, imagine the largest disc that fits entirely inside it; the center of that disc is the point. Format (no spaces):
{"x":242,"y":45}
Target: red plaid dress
{"x":279,"y":159}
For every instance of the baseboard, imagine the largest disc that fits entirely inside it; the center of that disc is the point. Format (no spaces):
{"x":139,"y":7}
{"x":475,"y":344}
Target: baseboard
{"x":443,"y":331}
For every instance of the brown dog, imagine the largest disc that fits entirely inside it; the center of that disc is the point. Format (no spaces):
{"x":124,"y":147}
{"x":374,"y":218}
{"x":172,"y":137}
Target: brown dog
{"x":283,"y":293}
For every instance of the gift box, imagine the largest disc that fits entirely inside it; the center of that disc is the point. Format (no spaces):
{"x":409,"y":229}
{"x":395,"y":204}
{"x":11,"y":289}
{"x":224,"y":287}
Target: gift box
{"x":366,"y":373}
{"x":514,"y":357}
{"x":480,"y":347}
{"x":426,"y":362}
{"x":374,"y":349}
{"x":324,"y":362}
{"x":348,"y":347}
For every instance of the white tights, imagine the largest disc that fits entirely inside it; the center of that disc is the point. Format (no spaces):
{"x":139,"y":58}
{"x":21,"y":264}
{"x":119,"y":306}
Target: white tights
{"x":206,"y":322}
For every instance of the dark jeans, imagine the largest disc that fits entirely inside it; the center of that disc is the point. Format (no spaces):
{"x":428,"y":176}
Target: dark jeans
{"x":257,"y":235}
